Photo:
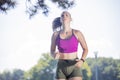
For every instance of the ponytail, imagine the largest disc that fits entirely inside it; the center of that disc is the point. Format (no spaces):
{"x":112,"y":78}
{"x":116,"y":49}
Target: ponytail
{"x":56,"y":24}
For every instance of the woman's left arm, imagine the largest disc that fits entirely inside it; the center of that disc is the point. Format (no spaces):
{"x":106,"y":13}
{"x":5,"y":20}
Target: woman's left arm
{"x":83,"y":44}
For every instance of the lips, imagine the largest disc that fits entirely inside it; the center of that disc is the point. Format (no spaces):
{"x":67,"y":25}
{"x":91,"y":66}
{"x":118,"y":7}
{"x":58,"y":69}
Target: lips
{"x":64,"y":19}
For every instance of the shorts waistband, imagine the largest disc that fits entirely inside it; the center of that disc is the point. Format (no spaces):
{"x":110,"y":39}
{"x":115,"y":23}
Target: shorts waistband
{"x":68,"y":59}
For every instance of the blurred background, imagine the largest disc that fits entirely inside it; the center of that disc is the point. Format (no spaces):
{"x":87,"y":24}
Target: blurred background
{"x":26,"y":30}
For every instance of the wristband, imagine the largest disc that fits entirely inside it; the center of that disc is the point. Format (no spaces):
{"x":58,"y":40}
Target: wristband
{"x":82,"y":60}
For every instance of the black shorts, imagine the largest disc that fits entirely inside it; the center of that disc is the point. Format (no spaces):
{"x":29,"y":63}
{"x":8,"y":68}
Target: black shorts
{"x":66,"y":69}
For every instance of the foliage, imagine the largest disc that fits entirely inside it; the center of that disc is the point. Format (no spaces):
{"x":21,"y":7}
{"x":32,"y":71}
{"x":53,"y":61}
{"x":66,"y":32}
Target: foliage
{"x":43,"y":68}
{"x":17,"y":74}
{"x":5,"y":5}
{"x":86,"y":71}
{"x":6,"y":75}
{"x":118,"y":71}
{"x":34,"y":7}
{"x":46,"y":66}
{"x":108,"y":69}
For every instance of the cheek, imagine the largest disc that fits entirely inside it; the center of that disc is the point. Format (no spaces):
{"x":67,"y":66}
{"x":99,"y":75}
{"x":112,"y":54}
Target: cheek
{"x":61,"y":20}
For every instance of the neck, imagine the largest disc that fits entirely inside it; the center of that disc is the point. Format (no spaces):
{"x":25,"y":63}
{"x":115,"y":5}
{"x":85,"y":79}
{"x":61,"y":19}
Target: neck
{"x":66,"y":28}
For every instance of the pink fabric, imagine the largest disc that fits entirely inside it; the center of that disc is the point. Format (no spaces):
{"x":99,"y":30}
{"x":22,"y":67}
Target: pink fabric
{"x":67,"y":45}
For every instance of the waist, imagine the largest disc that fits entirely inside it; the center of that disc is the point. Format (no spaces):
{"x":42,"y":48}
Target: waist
{"x":69,"y":59}
{"x":66,"y":56}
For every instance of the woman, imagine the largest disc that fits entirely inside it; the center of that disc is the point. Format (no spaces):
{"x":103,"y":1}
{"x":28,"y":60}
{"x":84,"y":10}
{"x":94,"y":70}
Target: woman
{"x":67,"y":39}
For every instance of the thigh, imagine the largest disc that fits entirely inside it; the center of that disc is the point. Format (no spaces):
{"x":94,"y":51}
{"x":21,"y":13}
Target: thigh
{"x":76,"y":78}
{"x":60,"y":71}
{"x":76,"y":73}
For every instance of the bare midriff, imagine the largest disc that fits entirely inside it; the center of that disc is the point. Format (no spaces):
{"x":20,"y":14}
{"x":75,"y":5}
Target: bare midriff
{"x":72,"y":55}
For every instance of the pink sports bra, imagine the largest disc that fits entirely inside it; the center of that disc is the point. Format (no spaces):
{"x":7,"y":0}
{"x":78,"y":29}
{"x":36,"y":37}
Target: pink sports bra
{"x":67,"y":45}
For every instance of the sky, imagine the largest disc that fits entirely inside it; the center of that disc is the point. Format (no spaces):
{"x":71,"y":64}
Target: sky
{"x":23,"y":40}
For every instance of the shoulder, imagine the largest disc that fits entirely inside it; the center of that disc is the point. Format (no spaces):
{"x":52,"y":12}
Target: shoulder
{"x":77,"y":32}
{"x":55,"y":34}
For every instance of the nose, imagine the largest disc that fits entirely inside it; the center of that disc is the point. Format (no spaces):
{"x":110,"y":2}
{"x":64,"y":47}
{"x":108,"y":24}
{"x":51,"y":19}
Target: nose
{"x":64,"y":16}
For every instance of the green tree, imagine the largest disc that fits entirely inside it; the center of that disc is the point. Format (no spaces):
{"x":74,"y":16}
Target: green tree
{"x":118,"y":70}
{"x":6,"y":75}
{"x":108,"y":68}
{"x":86,"y":71}
{"x":17,"y":74}
{"x":45,"y":69}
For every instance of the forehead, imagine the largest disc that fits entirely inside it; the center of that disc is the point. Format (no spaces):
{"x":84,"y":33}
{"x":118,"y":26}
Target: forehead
{"x":65,"y":12}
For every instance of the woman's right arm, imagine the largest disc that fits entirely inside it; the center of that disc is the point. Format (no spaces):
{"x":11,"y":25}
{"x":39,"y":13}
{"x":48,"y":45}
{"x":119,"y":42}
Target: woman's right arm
{"x":53,"y":45}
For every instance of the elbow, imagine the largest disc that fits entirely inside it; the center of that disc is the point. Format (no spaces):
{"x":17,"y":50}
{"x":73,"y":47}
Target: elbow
{"x":85,"y":50}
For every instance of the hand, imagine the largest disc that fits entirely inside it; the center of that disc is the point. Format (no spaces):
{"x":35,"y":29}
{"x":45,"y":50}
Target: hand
{"x":57,"y":55}
{"x":79,"y":63}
